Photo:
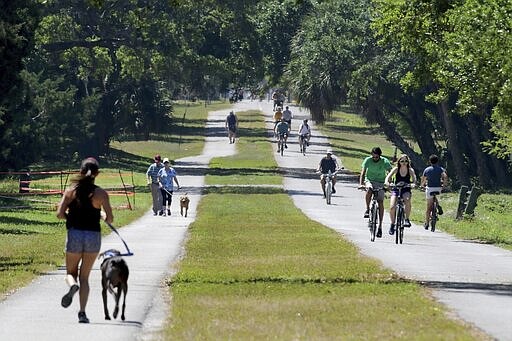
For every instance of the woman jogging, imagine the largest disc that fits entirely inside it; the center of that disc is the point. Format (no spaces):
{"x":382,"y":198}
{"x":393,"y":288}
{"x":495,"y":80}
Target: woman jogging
{"x":81,"y":207}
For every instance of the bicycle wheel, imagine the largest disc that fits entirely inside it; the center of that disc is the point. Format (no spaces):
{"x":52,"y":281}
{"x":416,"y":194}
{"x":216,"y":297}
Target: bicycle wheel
{"x":282,"y":147}
{"x":399,"y":226}
{"x":373,"y":219}
{"x":328,"y":191}
{"x":433,"y":216}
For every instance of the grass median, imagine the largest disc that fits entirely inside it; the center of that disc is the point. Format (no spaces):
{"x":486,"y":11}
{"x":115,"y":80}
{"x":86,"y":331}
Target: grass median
{"x":257,"y":268}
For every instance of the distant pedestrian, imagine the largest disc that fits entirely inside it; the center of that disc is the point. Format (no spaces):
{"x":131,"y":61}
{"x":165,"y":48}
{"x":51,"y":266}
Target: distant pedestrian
{"x":287,"y":115}
{"x":231,"y":125}
{"x":152,"y":179}
{"x":165,"y":177}
{"x":81,"y":207}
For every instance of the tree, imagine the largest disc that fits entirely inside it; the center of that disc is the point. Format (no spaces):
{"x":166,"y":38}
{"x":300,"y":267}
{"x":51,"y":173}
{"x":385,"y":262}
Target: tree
{"x":325,"y":52}
{"x":18,"y":20}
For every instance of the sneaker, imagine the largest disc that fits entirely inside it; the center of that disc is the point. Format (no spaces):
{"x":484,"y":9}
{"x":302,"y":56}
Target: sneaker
{"x":307,"y":144}
{"x":68,"y":298}
{"x":154,"y":213}
{"x":392,"y":229}
{"x":82,"y":318}
{"x":333,"y":190}
{"x":168,"y":212}
{"x":407,"y":223}
{"x":439,"y":210}
{"x":379,"y":233}
{"x":286,"y":146}
{"x":425,"y":226}
{"x":367,"y":214}
{"x":433,"y":229}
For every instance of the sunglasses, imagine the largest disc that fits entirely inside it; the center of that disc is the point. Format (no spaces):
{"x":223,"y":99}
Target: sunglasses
{"x":404,"y":161}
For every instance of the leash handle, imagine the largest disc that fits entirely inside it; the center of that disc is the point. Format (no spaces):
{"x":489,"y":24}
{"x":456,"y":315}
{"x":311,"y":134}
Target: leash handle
{"x":129,"y":253}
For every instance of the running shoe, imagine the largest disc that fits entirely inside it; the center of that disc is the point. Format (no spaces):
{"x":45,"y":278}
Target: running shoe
{"x":82,"y":318}
{"x":407,"y":223}
{"x":367,"y":214}
{"x":68,"y":298}
{"x":379,"y":233}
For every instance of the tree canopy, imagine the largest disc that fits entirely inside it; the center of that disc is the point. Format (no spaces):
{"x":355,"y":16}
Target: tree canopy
{"x":77,"y":74}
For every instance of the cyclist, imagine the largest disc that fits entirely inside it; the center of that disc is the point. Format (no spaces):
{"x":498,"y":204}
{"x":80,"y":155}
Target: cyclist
{"x":327,"y":163}
{"x":434,"y":179}
{"x":281,"y":130}
{"x":403,"y":172}
{"x":231,"y":126}
{"x":287,"y":115}
{"x":304,"y":131}
{"x":373,"y":175}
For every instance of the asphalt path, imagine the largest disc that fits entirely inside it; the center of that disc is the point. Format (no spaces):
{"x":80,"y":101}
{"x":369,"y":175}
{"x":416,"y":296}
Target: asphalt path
{"x":35,"y":313}
{"x":472,"y":280}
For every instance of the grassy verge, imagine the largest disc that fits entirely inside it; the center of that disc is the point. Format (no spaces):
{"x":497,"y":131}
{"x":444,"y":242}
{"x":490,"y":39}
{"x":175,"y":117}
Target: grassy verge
{"x":352,"y":140}
{"x":257,"y":268}
{"x":32,"y":239}
{"x":251,"y":165}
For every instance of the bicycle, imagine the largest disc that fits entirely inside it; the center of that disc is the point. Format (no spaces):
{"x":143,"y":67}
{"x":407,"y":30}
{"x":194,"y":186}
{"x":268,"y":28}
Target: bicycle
{"x":303,"y":142}
{"x":399,"y":212}
{"x":328,"y":186}
{"x":434,"y":212}
{"x":373,"y":219}
{"x":281,"y":143}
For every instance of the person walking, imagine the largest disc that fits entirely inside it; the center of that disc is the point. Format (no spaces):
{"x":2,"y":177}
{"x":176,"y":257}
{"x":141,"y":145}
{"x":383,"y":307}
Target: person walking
{"x":231,"y":125}
{"x":81,"y":207}
{"x":373,"y":175}
{"x":434,"y":179}
{"x":152,"y":179}
{"x":403,"y":172}
{"x":165,"y":178}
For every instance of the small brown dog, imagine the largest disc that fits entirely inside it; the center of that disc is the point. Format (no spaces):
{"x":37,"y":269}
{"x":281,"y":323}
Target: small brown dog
{"x":114,"y":274}
{"x":184,"y":201}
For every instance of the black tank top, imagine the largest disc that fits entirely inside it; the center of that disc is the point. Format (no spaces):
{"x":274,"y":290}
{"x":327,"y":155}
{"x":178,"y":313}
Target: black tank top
{"x":406,"y":178}
{"x":84,"y":216}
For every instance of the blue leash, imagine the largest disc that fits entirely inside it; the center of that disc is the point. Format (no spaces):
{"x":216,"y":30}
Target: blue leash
{"x":128,"y":252}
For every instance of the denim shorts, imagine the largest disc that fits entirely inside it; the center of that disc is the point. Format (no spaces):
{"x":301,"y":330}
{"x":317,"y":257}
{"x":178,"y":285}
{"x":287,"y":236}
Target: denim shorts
{"x":79,"y":241}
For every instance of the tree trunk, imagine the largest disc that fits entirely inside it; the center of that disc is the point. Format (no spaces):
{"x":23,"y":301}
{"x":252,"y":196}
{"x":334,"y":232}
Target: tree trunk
{"x":460,"y":170}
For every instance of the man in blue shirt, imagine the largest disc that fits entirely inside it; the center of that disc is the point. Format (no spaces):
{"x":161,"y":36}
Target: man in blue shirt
{"x":434,"y":179}
{"x":281,"y":129}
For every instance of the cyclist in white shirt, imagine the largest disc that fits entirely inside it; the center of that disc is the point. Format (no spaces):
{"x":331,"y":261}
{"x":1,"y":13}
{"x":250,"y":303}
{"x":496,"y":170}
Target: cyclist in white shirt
{"x":304,"y":130}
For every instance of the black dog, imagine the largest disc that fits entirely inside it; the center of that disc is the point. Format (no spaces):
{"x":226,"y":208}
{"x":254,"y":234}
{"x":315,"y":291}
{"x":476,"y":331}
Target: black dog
{"x":114,"y":274}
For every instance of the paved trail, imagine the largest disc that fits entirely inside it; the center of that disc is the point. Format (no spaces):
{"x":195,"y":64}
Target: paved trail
{"x":34,"y":312}
{"x":473,"y":280}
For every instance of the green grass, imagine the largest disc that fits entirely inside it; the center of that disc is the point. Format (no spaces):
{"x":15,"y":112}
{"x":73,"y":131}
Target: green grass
{"x":251,"y":165}
{"x":257,"y":272}
{"x":32,"y":239}
{"x":352,"y":139}
{"x":257,"y":268}
{"x":187,"y":137}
